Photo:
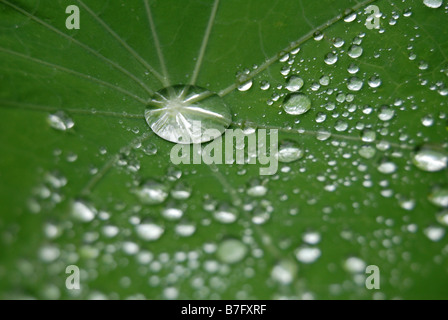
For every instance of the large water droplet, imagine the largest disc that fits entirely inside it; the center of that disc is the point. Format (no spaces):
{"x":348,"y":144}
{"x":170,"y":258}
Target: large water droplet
{"x":60,"y":121}
{"x":431,"y":160}
{"x":231,"y":251}
{"x":297,"y":104}
{"x":294,"y":84}
{"x":187,"y":114}
{"x":433,"y":3}
{"x":289,"y":151}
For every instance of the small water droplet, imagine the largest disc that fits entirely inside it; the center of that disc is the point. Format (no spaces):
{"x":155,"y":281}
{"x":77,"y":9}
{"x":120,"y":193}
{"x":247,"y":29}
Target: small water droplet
{"x":434,"y":233}
{"x":60,"y":121}
{"x":331,"y":58}
{"x":289,"y":151}
{"x":294,"y":84}
{"x":83,"y":212}
{"x":307,"y":254}
{"x":354,"y":84}
{"x":439,"y":197}
{"x":149,"y":231}
{"x":152,"y":192}
{"x":231,"y":251}
{"x":284,"y":272}
{"x":245,"y":86}
{"x":387,"y":167}
{"x":355,"y":265}
{"x":354,"y":51}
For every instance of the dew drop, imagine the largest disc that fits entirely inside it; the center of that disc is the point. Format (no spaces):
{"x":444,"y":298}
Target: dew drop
{"x":245,"y":86}
{"x":433,"y":3}
{"x":331,"y":58}
{"x":428,"y":159}
{"x":354,"y":84}
{"x":60,"y":121}
{"x":367,"y":152}
{"x":185,"y":229}
{"x":355,"y":265}
{"x":231,"y":251}
{"x":181,"y":191}
{"x":296,"y":104}
{"x":355,"y":51}
{"x":152,"y":192}
{"x":439,"y":197}
{"x":387,"y":167}
{"x":257,"y":189}
{"x":149,"y":231}
{"x":225,"y":214}
{"x":374,"y":82}
{"x":386,"y":113}
{"x":307,"y":254}
{"x":284,"y":272}
{"x":434,"y":233}
{"x":442,"y":217}
{"x":289,"y":151}
{"x":174,"y":111}
{"x":294,"y":84}
{"x":82,"y":212}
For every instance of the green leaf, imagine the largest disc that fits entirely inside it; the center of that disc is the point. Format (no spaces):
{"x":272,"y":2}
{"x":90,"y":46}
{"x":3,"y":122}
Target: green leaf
{"x":84,"y":181}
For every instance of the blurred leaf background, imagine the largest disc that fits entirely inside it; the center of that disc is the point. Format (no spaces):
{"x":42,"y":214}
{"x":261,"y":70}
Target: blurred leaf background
{"x":354,"y":199}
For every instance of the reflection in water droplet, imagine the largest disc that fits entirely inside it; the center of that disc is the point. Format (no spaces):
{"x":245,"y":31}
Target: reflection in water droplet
{"x":174,"y":111}
{"x":245,"y":86}
{"x":367,"y":152}
{"x":354,"y":84}
{"x":83,"y":212}
{"x":296,"y":104}
{"x":60,"y":121}
{"x":307,"y":254}
{"x":374,"y":82}
{"x":225,"y":214}
{"x":256,"y":188}
{"x":387,"y":167}
{"x":265,"y":85}
{"x":331,"y":58}
{"x":355,"y":265}
{"x":149,"y":231}
{"x":152,"y":192}
{"x":231,"y":251}
{"x":430,"y":160}
{"x":386,"y":113}
{"x":433,"y":3}
{"x":284,"y":272}
{"x":185,"y":229}
{"x":435,"y":233}
{"x":439,"y":197}
{"x":181,"y":191}
{"x":289,"y":151}
{"x":442,"y":217}
{"x":294,"y":84}
{"x":354,"y":51}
